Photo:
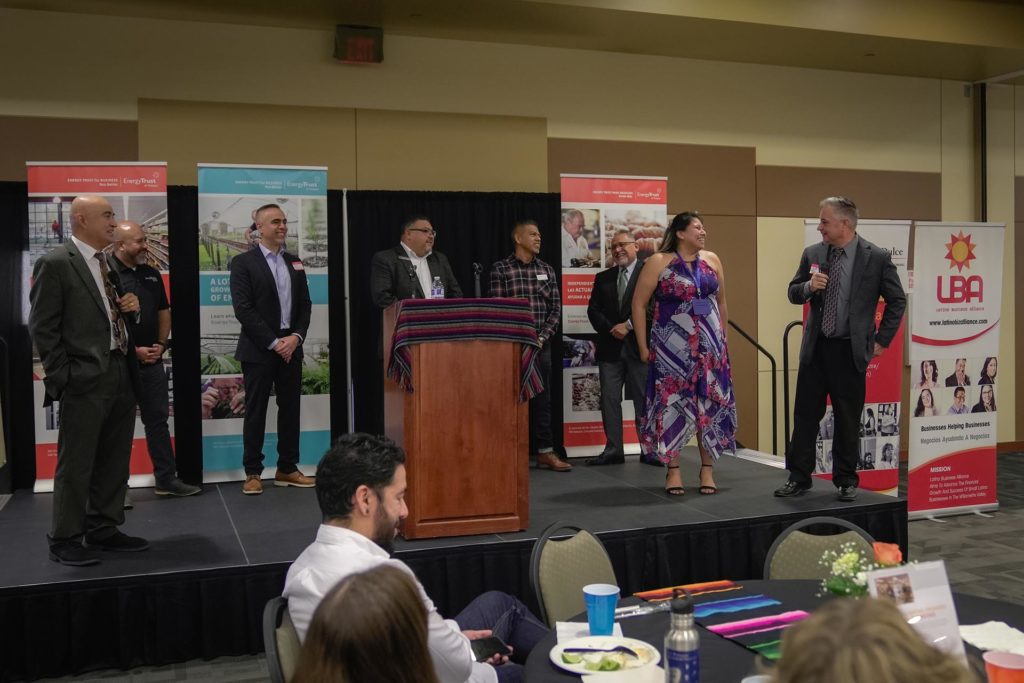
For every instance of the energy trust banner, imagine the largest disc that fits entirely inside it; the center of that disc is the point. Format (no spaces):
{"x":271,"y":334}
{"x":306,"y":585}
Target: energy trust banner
{"x":879,"y":457}
{"x":136,"y":192}
{"x":954,"y":369}
{"x":593,"y":209}
{"x":228,"y":198}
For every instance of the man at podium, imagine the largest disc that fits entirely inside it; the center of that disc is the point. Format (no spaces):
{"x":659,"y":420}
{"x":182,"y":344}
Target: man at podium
{"x":409,"y":270}
{"x":524,"y":276}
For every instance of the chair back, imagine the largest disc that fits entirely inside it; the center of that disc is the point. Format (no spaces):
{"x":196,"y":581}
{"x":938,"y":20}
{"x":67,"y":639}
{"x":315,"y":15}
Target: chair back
{"x":561,"y":567}
{"x":796,"y":554}
{"x":280,"y":640}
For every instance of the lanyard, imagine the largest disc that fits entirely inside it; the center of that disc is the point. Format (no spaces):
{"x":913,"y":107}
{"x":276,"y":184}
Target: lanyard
{"x":695,"y":275}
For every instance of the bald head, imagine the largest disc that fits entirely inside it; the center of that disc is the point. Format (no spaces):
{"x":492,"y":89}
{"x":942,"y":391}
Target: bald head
{"x":130,"y":244}
{"x":92,"y":221}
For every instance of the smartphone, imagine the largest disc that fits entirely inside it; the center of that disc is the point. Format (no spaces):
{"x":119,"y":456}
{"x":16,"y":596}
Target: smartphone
{"x":485,"y":648}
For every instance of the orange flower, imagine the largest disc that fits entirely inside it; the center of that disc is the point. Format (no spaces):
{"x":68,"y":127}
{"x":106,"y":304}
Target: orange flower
{"x":888,"y":554}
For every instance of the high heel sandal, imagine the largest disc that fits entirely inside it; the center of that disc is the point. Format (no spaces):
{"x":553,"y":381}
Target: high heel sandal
{"x":706,"y":489}
{"x":673,"y":490}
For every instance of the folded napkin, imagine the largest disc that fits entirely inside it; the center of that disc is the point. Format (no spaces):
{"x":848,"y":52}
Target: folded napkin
{"x":571,"y":630}
{"x":645,"y":674}
{"x":994,"y":635}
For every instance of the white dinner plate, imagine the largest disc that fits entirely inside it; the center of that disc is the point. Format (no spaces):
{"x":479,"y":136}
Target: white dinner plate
{"x":604,"y":642}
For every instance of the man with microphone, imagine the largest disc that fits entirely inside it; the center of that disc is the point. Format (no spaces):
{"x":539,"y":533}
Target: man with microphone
{"x":842,"y":278}
{"x":407,"y":271}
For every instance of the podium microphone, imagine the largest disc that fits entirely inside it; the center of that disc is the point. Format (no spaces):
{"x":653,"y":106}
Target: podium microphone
{"x":477,"y":269}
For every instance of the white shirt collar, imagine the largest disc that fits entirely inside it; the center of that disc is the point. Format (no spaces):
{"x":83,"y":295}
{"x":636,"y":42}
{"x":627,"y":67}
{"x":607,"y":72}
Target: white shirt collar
{"x":268,"y":252}
{"x":339,"y":535}
{"x":87,"y":251}
{"x":412,"y":254}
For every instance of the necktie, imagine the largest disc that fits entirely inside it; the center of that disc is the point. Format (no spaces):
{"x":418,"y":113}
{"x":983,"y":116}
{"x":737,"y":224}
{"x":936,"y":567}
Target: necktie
{"x":117,"y":323}
{"x":621,"y":286}
{"x":281,"y":279}
{"x":835,"y":272}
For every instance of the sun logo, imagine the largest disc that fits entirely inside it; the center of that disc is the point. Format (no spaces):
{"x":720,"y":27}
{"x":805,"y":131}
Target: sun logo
{"x":960,"y":251}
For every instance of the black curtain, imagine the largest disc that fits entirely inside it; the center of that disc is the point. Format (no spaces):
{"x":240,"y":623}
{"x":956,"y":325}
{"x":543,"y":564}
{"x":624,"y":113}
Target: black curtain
{"x":20,"y":471}
{"x":471,"y":227}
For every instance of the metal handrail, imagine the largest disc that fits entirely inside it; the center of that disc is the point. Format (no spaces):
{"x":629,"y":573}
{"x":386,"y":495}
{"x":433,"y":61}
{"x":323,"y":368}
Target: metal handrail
{"x":775,"y":393}
{"x":785,"y":379}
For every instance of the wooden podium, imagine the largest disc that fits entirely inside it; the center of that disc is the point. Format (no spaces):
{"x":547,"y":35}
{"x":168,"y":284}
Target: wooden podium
{"x":464,"y":430}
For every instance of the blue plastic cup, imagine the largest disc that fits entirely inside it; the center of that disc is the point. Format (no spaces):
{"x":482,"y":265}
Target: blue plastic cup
{"x":601,"y":600}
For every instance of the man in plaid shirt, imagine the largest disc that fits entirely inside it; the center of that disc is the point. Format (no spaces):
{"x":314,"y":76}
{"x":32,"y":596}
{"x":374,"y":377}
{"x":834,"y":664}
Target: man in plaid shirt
{"x":524,"y":276}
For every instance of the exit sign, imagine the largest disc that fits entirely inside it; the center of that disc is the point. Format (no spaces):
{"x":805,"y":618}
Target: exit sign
{"x":359,"y":44}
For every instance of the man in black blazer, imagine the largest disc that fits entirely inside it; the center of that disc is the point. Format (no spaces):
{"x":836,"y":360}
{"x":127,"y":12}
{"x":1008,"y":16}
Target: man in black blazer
{"x":270,"y":296}
{"x":408,"y":270}
{"x":842,"y":279}
{"x":959,"y":377}
{"x":87,"y":353}
{"x":618,"y":358}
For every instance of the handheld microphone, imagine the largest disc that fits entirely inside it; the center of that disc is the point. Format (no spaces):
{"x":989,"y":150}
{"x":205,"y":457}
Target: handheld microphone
{"x":115,"y":282}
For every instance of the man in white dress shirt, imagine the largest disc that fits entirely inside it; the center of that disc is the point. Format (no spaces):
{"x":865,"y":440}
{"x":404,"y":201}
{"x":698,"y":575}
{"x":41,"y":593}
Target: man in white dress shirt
{"x":574,"y":244}
{"x":361,"y":490}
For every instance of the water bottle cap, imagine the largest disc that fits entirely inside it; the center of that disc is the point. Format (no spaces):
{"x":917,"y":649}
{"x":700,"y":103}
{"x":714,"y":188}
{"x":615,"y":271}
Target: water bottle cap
{"x":682,"y":603}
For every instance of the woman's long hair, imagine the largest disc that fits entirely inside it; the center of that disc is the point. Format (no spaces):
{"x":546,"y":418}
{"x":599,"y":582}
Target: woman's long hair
{"x":919,"y":410}
{"x":371,"y":626}
{"x":670,"y":242}
{"x":980,"y":405}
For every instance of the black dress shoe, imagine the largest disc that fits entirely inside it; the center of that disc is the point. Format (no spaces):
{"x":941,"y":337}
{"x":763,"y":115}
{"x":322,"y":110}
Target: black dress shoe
{"x":791,"y":489}
{"x":651,"y":460}
{"x":607,"y":459}
{"x":72,"y":554}
{"x":847,"y":493}
{"x":118,"y":542}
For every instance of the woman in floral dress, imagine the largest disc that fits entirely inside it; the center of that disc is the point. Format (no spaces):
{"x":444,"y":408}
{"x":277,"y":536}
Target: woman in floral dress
{"x":689,"y":381}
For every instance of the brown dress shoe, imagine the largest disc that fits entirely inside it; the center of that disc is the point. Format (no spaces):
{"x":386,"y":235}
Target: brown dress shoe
{"x":295,"y":478}
{"x":252,"y":486}
{"x":552,"y":462}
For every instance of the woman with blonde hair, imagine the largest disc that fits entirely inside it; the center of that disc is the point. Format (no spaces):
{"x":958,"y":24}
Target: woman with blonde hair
{"x":862,"y":641}
{"x":371,"y":626}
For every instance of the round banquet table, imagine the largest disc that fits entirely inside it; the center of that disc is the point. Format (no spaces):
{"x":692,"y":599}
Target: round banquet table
{"x":723,"y":661}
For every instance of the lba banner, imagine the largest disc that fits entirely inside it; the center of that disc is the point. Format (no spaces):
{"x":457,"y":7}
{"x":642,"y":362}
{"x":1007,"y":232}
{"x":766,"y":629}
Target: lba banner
{"x":228,"y":199}
{"x":136,"y":192}
{"x":958,"y":274}
{"x":879,"y":458}
{"x":594,"y":209}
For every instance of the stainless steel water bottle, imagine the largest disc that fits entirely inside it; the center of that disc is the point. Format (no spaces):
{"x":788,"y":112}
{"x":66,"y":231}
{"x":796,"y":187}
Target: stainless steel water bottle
{"x":682,"y":642}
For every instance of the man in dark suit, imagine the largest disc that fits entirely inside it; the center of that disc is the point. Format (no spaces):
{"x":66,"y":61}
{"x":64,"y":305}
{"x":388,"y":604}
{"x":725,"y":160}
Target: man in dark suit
{"x":84,"y":345}
{"x":842,"y":279}
{"x":408,"y":270}
{"x":618,"y":358}
{"x":270,"y":296}
{"x":959,"y":377}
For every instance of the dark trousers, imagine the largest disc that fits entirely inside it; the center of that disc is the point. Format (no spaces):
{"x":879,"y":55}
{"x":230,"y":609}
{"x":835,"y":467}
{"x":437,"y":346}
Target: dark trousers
{"x":831,"y":373}
{"x":286,"y":381}
{"x":540,"y":406}
{"x":154,"y":409}
{"x":508,"y":619}
{"x":94,"y":445}
{"x":630,"y":372}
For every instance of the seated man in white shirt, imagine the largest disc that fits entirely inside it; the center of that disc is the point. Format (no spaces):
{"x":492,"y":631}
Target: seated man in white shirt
{"x":361,"y":491}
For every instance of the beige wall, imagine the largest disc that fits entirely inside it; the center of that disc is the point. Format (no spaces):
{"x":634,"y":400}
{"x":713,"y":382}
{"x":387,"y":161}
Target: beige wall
{"x":431,"y":96}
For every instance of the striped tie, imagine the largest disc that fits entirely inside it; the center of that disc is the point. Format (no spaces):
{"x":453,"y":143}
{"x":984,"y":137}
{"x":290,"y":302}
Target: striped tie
{"x":835,"y":272}
{"x":117,"y":323}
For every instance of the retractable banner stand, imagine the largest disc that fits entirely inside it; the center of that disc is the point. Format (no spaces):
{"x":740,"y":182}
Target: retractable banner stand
{"x":136,"y":192}
{"x":879,"y":458}
{"x":228,"y":198}
{"x":954,"y":369}
{"x":593,"y":209}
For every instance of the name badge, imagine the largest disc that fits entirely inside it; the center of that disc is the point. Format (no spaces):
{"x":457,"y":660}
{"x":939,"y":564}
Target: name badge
{"x":701,"y":306}
{"x":542,"y":277}
{"x":297,"y":265}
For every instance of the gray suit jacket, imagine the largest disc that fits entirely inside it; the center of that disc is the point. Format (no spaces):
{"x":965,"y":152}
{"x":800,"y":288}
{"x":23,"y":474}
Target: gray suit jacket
{"x":605,"y":312}
{"x":874,"y":276}
{"x":393,"y":278}
{"x":69,"y":324}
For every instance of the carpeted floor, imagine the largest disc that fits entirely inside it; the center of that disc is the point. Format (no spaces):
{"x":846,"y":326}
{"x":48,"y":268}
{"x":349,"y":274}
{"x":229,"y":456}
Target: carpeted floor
{"x":984,"y":556}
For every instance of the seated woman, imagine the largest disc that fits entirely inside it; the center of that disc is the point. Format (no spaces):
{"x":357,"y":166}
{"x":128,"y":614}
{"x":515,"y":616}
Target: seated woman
{"x":862,"y":641}
{"x":370,"y":627}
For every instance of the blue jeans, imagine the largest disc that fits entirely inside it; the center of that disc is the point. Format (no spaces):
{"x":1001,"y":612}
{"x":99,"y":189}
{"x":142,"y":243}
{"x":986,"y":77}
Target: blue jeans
{"x":508,"y":619}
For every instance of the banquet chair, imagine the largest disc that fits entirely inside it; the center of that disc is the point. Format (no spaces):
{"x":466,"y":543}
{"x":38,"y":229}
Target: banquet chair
{"x":796,"y":554}
{"x":280,"y":640}
{"x":561,"y":567}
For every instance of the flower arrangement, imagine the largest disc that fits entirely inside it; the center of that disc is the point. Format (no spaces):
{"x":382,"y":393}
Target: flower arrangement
{"x":849,"y":566}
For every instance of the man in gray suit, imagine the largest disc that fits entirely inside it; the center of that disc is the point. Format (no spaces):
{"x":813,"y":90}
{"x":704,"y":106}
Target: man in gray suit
{"x":618,"y":359}
{"x":84,"y":344}
{"x":408,"y":270}
{"x":842,"y":278}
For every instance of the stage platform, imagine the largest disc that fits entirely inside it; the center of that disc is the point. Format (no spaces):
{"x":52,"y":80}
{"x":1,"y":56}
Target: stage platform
{"x":218,"y":557}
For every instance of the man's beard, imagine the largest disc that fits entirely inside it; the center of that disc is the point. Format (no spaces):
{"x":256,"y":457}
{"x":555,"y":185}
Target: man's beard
{"x":384,"y":531}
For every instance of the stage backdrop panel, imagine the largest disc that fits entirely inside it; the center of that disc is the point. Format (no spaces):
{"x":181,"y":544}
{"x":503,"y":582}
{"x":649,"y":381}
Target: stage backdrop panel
{"x":879,"y":458}
{"x":955,"y":309}
{"x":228,"y":198}
{"x":607,"y":204}
{"x":136,"y":192}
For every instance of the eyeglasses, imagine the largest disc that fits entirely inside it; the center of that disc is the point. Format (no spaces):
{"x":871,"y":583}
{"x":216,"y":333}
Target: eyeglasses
{"x":622,"y":245}
{"x":428,"y":231}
